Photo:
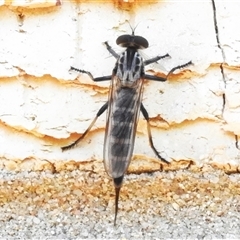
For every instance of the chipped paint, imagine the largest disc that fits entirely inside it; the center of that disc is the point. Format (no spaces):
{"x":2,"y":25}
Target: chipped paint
{"x":195,"y":115}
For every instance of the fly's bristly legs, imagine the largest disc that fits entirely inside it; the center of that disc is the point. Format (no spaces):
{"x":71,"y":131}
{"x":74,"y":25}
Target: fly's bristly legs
{"x":124,"y":105}
{"x":146,"y":116}
{"x":99,"y":113}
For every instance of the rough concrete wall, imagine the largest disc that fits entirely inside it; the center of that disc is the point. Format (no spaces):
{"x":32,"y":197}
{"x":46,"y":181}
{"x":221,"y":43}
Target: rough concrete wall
{"x":194,"y":116}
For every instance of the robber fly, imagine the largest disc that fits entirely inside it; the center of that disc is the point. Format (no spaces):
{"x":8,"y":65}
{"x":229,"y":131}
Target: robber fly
{"x":123,"y":106}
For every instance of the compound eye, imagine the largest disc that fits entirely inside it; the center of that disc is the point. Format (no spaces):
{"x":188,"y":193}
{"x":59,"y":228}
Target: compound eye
{"x":141,"y":42}
{"x":123,"y":40}
{"x":132,"y":41}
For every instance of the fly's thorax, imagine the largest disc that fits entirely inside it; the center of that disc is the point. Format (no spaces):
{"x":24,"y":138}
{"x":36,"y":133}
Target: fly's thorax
{"x":129,"y":67}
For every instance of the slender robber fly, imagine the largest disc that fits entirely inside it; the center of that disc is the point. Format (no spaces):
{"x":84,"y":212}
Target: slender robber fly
{"x":123,"y":106}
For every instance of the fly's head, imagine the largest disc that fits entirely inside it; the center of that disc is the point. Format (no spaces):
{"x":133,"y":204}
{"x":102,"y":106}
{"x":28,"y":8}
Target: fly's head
{"x":136,"y":42}
{"x":130,"y":67}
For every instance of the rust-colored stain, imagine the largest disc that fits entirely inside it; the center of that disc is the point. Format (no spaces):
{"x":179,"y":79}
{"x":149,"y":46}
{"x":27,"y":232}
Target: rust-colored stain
{"x":127,"y":5}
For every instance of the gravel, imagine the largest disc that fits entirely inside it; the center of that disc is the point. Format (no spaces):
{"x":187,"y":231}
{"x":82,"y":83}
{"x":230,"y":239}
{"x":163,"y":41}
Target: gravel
{"x":184,"y":204}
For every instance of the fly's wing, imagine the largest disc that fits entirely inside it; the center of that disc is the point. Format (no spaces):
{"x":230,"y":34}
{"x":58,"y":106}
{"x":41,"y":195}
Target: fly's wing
{"x":122,"y":117}
{"x":158,"y":66}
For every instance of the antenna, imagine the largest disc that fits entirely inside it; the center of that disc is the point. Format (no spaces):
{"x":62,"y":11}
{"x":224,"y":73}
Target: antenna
{"x":133,"y":29}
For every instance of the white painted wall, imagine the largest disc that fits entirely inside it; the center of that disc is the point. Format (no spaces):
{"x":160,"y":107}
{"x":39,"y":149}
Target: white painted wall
{"x":43,"y":105}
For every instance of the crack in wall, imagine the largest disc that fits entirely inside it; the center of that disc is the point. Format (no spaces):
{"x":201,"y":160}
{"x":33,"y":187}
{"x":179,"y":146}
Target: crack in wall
{"x":221,"y":65}
{"x":222,"y":51}
{"x":223,"y":56}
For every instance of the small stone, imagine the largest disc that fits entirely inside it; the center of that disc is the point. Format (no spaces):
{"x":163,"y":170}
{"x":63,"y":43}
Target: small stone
{"x":175,"y":206}
{"x":36,"y":220}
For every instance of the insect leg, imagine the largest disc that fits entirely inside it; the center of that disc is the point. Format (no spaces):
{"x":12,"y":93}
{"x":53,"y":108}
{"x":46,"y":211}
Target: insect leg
{"x":160,"y":79}
{"x":152,"y":60}
{"x":99,"y":113}
{"x":178,"y":67}
{"x":82,"y":71}
{"x":146,"y":116}
{"x":154,"y":78}
{"x":155,"y":59}
{"x":104,"y":78}
{"x":98,"y":79}
{"x":109,"y":48}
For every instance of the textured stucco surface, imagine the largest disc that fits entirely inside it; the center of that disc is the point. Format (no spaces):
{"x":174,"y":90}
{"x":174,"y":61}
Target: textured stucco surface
{"x":194,"y":114}
{"x":195,"y":119}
